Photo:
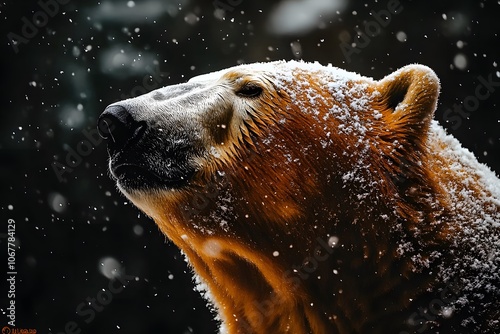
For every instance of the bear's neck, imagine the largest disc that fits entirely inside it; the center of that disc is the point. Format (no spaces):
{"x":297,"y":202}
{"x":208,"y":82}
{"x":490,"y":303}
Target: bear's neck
{"x":309,"y":280}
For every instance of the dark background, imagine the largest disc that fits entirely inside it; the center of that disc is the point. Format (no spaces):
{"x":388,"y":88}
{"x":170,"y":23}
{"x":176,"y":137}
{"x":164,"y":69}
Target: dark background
{"x":75,"y":232}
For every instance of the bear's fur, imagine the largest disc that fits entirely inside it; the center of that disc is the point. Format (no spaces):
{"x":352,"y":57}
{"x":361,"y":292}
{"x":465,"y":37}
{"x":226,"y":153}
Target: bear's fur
{"x":309,"y":199}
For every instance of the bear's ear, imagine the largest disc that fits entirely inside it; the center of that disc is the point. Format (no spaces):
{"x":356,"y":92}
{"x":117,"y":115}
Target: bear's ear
{"x":408,"y":99}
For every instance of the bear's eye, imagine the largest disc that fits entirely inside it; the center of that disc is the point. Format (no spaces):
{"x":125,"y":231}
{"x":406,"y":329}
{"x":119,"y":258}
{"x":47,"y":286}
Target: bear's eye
{"x":249,"y":90}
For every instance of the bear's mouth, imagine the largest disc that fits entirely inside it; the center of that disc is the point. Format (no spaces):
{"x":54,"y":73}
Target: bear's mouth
{"x":136,"y":177}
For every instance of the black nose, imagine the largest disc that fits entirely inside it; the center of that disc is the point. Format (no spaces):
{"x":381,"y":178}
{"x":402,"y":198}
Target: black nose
{"x":117,"y":124}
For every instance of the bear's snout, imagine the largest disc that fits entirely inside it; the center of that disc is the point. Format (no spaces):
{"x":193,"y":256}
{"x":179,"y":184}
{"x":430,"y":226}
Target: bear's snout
{"x":117,"y":125}
{"x":146,"y":150}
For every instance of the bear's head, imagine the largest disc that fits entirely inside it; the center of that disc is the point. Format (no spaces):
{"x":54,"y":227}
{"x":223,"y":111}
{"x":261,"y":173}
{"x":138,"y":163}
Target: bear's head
{"x":267,"y":176}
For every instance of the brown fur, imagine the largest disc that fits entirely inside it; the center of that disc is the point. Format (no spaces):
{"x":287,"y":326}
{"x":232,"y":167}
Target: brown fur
{"x":302,"y":226}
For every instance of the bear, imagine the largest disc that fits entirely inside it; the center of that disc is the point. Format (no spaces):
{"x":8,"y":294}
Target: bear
{"x":310,"y":199}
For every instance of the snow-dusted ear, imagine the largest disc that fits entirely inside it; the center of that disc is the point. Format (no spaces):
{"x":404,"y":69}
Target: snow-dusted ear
{"x":408,"y":99}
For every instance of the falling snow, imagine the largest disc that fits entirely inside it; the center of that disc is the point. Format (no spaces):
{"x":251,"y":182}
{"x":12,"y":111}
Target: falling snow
{"x":78,"y":234}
